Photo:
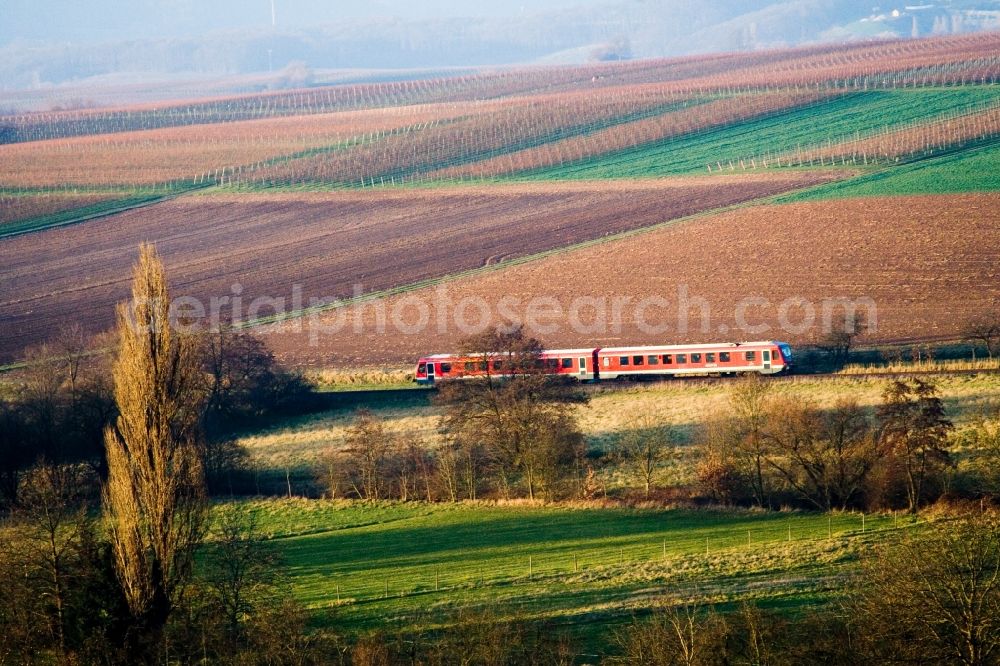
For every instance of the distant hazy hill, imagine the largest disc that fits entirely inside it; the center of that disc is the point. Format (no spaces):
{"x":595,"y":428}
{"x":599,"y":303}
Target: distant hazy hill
{"x":100,"y":37}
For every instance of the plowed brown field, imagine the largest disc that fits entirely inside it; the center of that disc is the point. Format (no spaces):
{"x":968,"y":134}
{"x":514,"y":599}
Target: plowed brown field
{"x":327,"y":243}
{"x":927,"y":263}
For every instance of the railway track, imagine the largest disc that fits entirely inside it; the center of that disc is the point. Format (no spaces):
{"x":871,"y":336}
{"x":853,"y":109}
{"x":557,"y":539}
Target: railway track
{"x":374,"y":397}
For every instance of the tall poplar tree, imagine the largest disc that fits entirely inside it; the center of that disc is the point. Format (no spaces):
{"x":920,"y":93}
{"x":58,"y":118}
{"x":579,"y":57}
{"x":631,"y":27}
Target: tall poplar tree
{"x":154,"y":499}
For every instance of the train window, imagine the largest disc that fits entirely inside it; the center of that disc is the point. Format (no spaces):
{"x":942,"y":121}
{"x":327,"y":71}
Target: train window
{"x":421,"y":368}
{"x":607,"y":361}
{"x":668,"y":359}
{"x":710,"y":357}
{"x":637,"y":360}
{"x":653,"y":360}
{"x":483,"y":366}
{"x":567,"y":363}
{"x":751,"y":356}
{"x":696,"y":358}
{"x":623,"y":360}
{"x":470,"y":366}
{"x":498,"y":365}
{"x":445,"y":368}
{"x":724,"y":357}
{"x":682,"y":358}
{"x":551,"y":363}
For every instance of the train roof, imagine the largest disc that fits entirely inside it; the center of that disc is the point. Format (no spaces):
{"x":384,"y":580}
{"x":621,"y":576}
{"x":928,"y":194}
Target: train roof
{"x":569,"y":352}
{"x":552,"y":352}
{"x":625,"y":350}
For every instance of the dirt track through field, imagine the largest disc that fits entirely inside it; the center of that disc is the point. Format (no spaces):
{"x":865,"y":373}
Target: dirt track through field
{"x":326,"y":243}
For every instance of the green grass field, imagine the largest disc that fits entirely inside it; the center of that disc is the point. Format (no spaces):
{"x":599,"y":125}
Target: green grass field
{"x":974,"y":169}
{"x":579,"y":566}
{"x":833,"y":120}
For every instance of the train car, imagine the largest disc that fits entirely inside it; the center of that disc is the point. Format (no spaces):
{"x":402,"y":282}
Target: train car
{"x":765,"y":358}
{"x":578,"y":363}
{"x":589,"y":364}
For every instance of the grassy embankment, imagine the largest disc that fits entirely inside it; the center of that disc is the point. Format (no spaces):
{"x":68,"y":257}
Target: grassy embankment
{"x":407,"y":566}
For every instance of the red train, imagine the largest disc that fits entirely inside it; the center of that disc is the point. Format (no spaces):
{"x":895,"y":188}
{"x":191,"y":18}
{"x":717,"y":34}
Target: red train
{"x":765,"y":358}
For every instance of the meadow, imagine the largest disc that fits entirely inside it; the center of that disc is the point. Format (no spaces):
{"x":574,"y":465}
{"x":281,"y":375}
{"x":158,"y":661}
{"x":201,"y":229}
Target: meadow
{"x":969,"y":169}
{"x":410,"y":565}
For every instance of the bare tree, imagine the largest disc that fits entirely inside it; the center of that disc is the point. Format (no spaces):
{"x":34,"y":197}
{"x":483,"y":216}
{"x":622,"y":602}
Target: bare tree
{"x":329,"y":472}
{"x":825,"y":456}
{"x":240,"y":571}
{"x":54,"y":520}
{"x":679,"y":635}
{"x":520,"y":415}
{"x":986,"y":330}
{"x":422,"y":467}
{"x":853,"y":450}
{"x":42,"y":400}
{"x":448,"y":471}
{"x":644,"y":448}
{"x":839,"y":341}
{"x":369,"y":447}
{"x":243,"y":385}
{"x":914,"y":429}
{"x":746,"y":433}
{"x":934,"y":597}
{"x":71,"y":349}
{"x":154,"y":497}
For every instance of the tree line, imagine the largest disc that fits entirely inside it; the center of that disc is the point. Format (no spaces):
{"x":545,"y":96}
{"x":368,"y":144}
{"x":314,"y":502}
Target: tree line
{"x":767,"y":449}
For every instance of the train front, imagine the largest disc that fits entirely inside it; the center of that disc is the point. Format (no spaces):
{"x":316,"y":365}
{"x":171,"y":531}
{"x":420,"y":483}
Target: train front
{"x":422,"y":374}
{"x":785,"y":350}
